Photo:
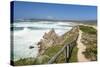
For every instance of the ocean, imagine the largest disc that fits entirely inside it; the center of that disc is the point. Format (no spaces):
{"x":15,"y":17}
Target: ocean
{"x":26,"y":34}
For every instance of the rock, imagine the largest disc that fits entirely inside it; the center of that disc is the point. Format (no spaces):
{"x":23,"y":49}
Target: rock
{"x":49,"y":39}
{"x":52,"y":39}
{"x":31,"y":47}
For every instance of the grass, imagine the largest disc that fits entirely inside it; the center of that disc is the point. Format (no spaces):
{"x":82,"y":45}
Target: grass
{"x":61,"y":59}
{"x":87,"y":29}
{"x":32,"y":61}
{"x":90,"y":42}
{"x":91,"y":52}
{"x":24,"y":61}
{"x":52,"y":50}
{"x":43,"y":59}
{"x":73,"y":57}
{"x":49,"y":53}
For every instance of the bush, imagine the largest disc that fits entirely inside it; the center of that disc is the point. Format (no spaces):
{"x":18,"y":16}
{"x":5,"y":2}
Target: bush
{"x":87,"y":29}
{"x":89,"y":39}
{"x":43,"y":59}
{"x":25,"y":61}
{"x":52,"y":50}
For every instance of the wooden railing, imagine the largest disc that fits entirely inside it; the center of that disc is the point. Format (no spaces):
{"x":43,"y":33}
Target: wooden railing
{"x":66,"y":49}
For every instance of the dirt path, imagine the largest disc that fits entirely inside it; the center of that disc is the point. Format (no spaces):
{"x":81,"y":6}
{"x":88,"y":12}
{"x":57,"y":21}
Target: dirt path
{"x":81,"y":48}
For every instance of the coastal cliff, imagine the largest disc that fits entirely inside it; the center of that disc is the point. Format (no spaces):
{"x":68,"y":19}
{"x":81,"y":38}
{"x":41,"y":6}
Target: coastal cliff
{"x":51,"y":43}
{"x":49,"y":39}
{"x":52,"y":39}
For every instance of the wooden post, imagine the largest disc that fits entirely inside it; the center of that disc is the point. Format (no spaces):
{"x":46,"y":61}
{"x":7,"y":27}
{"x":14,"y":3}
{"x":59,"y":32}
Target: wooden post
{"x":70,"y":49}
{"x":67,"y":53}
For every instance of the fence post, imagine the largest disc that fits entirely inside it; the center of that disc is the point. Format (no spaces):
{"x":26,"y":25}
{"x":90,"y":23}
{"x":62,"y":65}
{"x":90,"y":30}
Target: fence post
{"x":67,"y":53}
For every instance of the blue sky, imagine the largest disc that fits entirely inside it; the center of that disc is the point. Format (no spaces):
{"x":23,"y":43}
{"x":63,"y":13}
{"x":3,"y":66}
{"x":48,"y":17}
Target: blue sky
{"x":27,"y":10}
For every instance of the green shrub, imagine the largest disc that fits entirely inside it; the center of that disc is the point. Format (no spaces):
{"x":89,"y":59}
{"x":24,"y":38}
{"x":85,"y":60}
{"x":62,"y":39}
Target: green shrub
{"x":73,"y":57}
{"x":89,"y":39}
{"x":43,"y":59}
{"x":52,"y":50}
{"x":91,"y":52}
{"x":25,"y":61}
{"x":87,"y":29}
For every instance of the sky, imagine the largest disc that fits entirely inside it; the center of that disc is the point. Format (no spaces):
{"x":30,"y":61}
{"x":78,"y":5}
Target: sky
{"x":29,"y":10}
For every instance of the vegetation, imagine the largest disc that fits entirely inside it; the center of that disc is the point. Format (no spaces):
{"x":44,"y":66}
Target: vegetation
{"x":87,"y":29}
{"x":89,"y":38}
{"x":32,"y":61}
{"x":25,"y":61}
{"x":43,"y":59}
{"x":51,"y":51}
{"x":73,"y":57}
{"x":61,"y":58}
{"x":91,"y":52}
{"x":68,"y":37}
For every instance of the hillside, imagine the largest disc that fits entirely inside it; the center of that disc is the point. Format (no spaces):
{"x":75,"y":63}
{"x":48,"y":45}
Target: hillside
{"x":89,"y":39}
{"x":51,"y":44}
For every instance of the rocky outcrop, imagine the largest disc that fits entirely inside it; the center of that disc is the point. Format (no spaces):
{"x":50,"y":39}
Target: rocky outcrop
{"x":52,"y":39}
{"x":49,"y":39}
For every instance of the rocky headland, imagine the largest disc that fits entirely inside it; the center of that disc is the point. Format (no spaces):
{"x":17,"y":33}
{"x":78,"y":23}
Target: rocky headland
{"x":52,"y":39}
{"x":51,"y":43}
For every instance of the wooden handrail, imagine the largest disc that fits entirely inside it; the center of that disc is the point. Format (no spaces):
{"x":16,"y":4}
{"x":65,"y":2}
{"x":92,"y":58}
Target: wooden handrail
{"x":66,"y":47}
{"x":59,"y":52}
